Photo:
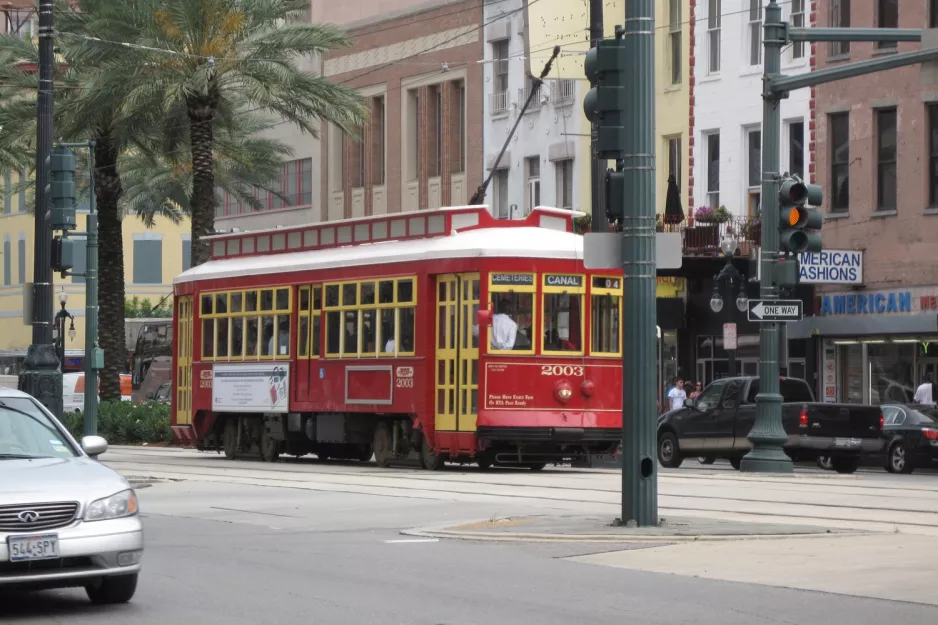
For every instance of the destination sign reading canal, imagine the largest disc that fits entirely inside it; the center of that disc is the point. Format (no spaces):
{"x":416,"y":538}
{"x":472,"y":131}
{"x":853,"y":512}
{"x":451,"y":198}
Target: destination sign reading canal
{"x":558,"y":280}
{"x":775,"y":310}
{"x":524,"y":279}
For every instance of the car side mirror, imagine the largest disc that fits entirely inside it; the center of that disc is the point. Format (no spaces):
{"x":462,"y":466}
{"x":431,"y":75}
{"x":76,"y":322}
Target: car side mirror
{"x":94,"y":445}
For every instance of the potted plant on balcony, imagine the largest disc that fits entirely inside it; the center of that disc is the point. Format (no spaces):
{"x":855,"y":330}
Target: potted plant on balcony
{"x":705,"y":235}
{"x":750,"y":234}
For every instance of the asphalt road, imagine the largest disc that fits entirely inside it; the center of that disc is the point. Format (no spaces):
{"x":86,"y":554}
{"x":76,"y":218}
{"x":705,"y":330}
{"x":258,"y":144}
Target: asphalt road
{"x":251,"y":554}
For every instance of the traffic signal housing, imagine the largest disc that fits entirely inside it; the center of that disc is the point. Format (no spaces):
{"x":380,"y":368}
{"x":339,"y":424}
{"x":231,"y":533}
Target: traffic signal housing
{"x":800,"y":220}
{"x":604,"y":104}
{"x":62,"y":189}
{"x":615,"y":196}
{"x":63,"y":254}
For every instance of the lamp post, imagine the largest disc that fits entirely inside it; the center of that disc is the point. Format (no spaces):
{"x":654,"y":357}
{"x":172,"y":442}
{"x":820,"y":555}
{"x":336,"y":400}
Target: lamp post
{"x":59,"y":328}
{"x":734,"y":281}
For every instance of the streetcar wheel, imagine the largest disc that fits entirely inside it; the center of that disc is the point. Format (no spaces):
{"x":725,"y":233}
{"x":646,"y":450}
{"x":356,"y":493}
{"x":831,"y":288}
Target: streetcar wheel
{"x":270,"y":448}
{"x":669,"y":453}
{"x":230,"y":437}
{"x":537,"y":466}
{"x":382,"y":445}
{"x":706,"y":459}
{"x":431,"y":461}
{"x":364,"y":453}
{"x":484,"y":461}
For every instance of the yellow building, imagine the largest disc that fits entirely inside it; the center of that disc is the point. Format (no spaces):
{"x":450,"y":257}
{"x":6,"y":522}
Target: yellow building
{"x":152,"y":258}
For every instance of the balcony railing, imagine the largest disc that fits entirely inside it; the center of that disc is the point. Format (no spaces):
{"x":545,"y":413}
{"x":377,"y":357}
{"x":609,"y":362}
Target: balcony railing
{"x":523,"y":97}
{"x":562,"y":91}
{"x":499,"y":102}
{"x":703,"y":239}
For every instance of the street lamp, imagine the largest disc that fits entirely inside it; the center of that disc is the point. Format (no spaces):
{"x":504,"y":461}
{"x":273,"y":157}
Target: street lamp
{"x":735,"y":284}
{"x":59,"y":328}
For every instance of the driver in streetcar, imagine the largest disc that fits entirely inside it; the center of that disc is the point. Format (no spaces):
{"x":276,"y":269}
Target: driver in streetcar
{"x":504,"y":328}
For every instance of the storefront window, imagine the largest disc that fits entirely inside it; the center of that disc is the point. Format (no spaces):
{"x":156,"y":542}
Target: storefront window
{"x":891,"y":372}
{"x":851,"y":373}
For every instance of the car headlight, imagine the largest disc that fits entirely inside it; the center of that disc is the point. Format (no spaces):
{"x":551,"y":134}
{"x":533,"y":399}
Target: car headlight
{"x":123,"y":504}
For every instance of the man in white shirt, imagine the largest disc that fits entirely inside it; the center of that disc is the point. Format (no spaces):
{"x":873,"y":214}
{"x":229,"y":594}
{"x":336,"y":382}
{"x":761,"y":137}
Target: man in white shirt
{"x":677,"y":395}
{"x":504,"y":328}
{"x":924,"y":394}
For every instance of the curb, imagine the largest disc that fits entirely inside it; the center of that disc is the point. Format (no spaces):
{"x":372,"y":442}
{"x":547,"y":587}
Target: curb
{"x":443,"y":532}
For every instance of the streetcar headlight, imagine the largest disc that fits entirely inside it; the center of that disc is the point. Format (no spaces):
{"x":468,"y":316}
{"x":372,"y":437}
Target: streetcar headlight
{"x":563,"y":391}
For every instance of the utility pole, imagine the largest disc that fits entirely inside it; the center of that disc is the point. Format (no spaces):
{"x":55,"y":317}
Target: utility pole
{"x":43,"y":379}
{"x":639,"y":375}
{"x":598,"y":220}
{"x":779,"y":271}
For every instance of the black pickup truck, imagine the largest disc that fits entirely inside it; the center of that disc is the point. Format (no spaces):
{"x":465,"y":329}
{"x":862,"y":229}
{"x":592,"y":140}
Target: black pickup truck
{"x":716,"y":425}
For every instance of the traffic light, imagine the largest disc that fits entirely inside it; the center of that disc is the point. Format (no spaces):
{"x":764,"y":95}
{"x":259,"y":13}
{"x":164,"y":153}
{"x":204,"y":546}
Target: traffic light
{"x":62,"y":188}
{"x":615,"y":196}
{"x":604,"y":104}
{"x":799,"y":219}
{"x":63,"y":254}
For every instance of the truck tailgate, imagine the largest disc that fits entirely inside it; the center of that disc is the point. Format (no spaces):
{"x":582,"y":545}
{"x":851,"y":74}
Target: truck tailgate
{"x":843,"y":420}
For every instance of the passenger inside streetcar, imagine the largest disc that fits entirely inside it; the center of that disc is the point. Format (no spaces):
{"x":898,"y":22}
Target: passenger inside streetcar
{"x":504,"y":328}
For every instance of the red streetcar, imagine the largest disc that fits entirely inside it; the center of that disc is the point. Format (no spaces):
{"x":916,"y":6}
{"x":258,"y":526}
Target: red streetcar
{"x":362,"y":337}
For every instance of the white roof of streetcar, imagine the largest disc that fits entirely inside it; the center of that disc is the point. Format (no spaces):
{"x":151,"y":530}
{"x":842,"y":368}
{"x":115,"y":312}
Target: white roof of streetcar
{"x":480,"y":242}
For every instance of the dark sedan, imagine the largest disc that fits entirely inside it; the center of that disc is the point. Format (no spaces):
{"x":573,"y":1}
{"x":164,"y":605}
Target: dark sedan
{"x":912,"y":432}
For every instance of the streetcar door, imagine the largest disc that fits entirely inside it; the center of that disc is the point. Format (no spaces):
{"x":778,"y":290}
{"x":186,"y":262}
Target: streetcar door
{"x":457,"y":352}
{"x":184,"y":361}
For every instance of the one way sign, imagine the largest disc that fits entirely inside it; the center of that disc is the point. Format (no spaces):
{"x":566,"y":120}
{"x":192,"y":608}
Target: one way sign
{"x":775,"y":310}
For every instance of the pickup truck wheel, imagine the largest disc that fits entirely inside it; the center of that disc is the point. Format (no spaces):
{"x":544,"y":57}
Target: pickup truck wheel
{"x":736,"y":462}
{"x":706,"y":459}
{"x":824,"y":462}
{"x":669,"y":453}
{"x":845,"y":465}
{"x":898,"y":461}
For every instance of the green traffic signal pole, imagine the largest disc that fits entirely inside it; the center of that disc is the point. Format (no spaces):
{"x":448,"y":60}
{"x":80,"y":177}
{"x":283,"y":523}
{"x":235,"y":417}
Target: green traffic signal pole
{"x":639,"y":373}
{"x":768,"y":435}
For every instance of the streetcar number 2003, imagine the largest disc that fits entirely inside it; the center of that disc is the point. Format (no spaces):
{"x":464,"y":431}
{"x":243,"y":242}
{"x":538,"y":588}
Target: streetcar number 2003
{"x":567,"y":370}
{"x":405,"y":383}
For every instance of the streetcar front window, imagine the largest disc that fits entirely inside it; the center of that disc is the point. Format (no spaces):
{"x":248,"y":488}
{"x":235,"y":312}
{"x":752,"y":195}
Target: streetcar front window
{"x":606,"y":316}
{"x":512,"y":297}
{"x":563,"y":314}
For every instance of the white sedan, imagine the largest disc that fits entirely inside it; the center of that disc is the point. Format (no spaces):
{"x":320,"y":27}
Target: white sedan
{"x":65,"y":519}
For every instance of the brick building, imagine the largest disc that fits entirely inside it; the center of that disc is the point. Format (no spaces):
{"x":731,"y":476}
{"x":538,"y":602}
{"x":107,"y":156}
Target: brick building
{"x":875,"y":146}
{"x":422,"y":146}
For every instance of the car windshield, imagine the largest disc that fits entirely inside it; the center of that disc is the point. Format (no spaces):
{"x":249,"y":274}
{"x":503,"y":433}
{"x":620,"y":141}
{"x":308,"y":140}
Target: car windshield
{"x":27,"y":432}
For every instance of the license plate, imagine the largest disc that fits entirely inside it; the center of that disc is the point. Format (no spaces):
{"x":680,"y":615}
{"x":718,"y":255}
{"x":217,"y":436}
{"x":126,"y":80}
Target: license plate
{"x":24,"y":548}
{"x":846,"y":442}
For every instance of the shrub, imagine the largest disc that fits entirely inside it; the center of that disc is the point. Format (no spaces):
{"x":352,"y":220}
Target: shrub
{"x":122,"y":423}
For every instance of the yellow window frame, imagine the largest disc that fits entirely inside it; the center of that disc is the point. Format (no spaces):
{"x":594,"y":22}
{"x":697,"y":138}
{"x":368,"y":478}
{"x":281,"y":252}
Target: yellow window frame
{"x":615,"y":292}
{"x":563,"y":290}
{"x":376,"y":307}
{"x":275,"y":312}
{"x":310,"y":314}
{"x":513,"y":288}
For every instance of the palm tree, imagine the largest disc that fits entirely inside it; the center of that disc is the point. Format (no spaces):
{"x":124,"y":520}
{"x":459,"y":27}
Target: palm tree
{"x":200,"y":60}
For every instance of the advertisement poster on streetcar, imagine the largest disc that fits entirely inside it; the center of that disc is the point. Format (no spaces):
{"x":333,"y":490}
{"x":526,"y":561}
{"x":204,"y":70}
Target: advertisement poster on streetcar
{"x":256,"y":387}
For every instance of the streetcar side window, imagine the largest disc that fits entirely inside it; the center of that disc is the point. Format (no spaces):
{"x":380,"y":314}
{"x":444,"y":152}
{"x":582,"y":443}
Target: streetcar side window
{"x":606,"y":316}
{"x":512,"y":297}
{"x":310,"y":310}
{"x":368,"y":318}
{"x":563,"y":314}
{"x":246,"y":325}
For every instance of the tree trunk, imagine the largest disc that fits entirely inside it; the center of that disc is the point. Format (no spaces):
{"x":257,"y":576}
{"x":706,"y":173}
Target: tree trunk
{"x":110,"y":270}
{"x":201,"y":120}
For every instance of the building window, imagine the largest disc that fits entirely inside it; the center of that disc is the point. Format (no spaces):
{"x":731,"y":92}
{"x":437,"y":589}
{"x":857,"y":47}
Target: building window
{"x":754,"y":177}
{"x":564,"y":171}
{"x":886,"y":131}
{"x":7,"y":193}
{"x":502,"y":210}
{"x":797,"y":21}
{"x":186,"y":254}
{"x":533,"y":172}
{"x":887,"y":17}
{"x":500,"y":93}
{"x":458,"y":164}
{"x":755,"y":32}
{"x":296,"y":185}
{"x":674,"y":39}
{"x":357,"y":148}
{"x":796,"y":148}
{"x":377,"y":140}
{"x":674,"y":159}
{"x":714,"y":30}
{"x":713,"y":169}
{"x":839,"y":132}
{"x":21,"y":259}
{"x":933,"y":13}
{"x":933,"y":155}
{"x":148,"y":261}
{"x":436,"y":100}
{"x":413,"y":135}
{"x":7,"y":262}
{"x":840,"y":18}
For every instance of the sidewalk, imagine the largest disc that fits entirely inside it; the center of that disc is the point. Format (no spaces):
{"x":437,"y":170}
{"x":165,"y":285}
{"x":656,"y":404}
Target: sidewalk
{"x":577,"y":528}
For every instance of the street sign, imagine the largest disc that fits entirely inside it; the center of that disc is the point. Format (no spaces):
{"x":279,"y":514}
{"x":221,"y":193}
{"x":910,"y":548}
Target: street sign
{"x":729,"y":336}
{"x":775,"y":310}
